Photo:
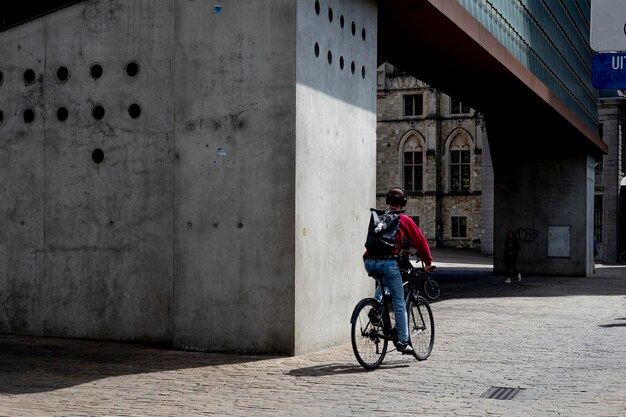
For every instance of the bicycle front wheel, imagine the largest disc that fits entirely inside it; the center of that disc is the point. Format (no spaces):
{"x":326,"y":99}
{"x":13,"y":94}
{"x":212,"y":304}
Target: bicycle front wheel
{"x":368,"y":345}
{"x":421,"y":327}
{"x":431,"y":289}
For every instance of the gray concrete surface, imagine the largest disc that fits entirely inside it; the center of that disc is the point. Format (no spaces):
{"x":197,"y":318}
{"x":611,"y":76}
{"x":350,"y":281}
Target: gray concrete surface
{"x":562,"y":340}
{"x":252,"y":156}
{"x":538,"y":196}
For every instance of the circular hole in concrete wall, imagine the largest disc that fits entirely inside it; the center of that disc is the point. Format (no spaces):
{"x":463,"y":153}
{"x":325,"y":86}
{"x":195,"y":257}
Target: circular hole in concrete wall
{"x":353,"y":29}
{"x":29,"y":76}
{"x":330,"y":14}
{"x":98,"y":112}
{"x":29,"y":115}
{"x":62,"y":114}
{"x":363,"y":72}
{"x":352,"y":67}
{"x":363,"y":33}
{"x":97,"y":155}
{"x":134,"y":110}
{"x":63,"y":74}
{"x":341,"y":62}
{"x":330,"y":57}
{"x":96,"y":71}
{"x":317,"y":7}
{"x":132,"y":69}
{"x":342,"y":22}
{"x":317,"y":50}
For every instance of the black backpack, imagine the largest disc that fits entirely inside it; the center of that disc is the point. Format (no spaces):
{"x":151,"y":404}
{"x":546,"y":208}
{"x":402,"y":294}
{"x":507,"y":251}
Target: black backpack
{"x":382,"y":230}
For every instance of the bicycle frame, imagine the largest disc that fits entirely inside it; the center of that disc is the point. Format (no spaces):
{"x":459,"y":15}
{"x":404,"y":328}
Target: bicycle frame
{"x":372,"y":329}
{"x":388,"y":332}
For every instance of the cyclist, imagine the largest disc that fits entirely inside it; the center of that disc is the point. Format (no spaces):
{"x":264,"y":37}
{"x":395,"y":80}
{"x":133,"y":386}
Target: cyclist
{"x":387,"y":265}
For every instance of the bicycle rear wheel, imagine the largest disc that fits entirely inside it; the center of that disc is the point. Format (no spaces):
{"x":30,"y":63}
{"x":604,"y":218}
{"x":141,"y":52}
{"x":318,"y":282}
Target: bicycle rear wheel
{"x":368,"y":345}
{"x":431,"y":289}
{"x":421,"y":327}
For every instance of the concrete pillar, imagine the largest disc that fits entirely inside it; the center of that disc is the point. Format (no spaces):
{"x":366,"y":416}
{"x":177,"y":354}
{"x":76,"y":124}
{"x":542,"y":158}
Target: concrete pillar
{"x":219,"y":203}
{"x":543,"y":192}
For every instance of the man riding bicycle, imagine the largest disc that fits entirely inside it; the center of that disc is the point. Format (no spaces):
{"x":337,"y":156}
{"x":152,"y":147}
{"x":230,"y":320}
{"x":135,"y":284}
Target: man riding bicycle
{"x":387,"y":265}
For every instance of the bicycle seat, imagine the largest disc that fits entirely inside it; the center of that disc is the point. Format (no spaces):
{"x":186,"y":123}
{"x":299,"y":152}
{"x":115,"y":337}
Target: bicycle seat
{"x":378,"y":277}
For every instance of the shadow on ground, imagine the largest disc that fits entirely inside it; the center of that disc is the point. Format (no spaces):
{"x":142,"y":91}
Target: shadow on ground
{"x":477,"y":282}
{"x":339,"y":368}
{"x":36,"y":364}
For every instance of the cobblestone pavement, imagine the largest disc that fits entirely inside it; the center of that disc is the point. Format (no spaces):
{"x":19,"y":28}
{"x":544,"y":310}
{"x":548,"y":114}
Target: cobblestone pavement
{"x":562,"y":340}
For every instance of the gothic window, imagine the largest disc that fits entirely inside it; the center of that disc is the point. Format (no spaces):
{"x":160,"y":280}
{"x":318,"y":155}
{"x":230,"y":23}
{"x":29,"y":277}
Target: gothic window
{"x":460,"y":163}
{"x":412,"y":164}
{"x":456,"y":107}
{"x":413,"y":105}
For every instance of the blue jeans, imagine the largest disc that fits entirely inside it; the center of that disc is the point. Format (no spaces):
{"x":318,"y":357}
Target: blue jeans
{"x":388,"y":268}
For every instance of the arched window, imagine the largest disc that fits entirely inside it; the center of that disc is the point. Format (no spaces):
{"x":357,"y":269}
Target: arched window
{"x":460,"y":163}
{"x":413,"y":163}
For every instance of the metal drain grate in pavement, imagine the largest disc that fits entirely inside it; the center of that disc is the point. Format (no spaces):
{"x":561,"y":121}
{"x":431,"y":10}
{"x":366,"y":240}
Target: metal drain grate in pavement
{"x":501,"y":393}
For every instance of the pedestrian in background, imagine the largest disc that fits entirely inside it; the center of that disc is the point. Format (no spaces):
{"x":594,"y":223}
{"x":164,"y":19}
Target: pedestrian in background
{"x":511,"y":250}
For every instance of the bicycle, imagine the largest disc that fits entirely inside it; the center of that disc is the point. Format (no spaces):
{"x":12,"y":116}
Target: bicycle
{"x":372,"y":326}
{"x":424,"y":281}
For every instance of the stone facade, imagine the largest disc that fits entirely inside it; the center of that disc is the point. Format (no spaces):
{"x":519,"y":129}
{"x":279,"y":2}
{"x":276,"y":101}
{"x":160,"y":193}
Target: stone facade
{"x":446,"y":200}
{"x":609,"y":217}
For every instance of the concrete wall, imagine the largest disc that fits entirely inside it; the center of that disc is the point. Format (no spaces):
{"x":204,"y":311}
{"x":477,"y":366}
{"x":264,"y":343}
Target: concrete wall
{"x":335,"y":165}
{"x":534,"y":194}
{"x":211,"y":221}
{"x":93,"y":257}
{"x":22,"y":276}
{"x":235,"y":184}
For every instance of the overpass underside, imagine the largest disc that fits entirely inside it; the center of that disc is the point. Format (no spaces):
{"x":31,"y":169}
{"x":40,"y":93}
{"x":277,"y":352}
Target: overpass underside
{"x":543,"y":154}
{"x":444,"y":46}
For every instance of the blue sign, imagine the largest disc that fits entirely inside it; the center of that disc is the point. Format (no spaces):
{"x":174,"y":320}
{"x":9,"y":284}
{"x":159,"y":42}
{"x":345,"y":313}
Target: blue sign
{"x":608,"y":71}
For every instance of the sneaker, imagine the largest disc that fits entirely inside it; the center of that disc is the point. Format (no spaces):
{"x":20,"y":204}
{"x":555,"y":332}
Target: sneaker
{"x":374,"y":317}
{"x":519,"y":277}
{"x":507,"y":281}
{"x":405,"y":348}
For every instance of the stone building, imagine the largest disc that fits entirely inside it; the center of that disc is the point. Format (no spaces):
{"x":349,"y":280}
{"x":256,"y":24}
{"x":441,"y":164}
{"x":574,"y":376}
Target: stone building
{"x":436,"y":148}
{"x":609,"y":214}
{"x":433,"y":146}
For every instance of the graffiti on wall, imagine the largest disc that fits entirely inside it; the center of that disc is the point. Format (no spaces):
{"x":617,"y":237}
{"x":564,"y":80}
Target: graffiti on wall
{"x":526,"y":235}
